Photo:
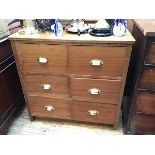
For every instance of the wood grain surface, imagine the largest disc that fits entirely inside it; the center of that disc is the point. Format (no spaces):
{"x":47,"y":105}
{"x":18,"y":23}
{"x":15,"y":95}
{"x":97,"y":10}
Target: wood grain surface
{"x":71,"y":38}
{"x":151,"y":55}
{"x":28,"y":55}
{"x":138,"y":113}
{"x":106,"y":113}
{"x":145,"y":102}
{"x":148,"y":78}
{"x":113,"y":59}
{"x":109,"y":90}
{"x":34,"y":84}
{"x":68,"y":58}
{"x":143,"y":124}
{"x":147,"y":26}
{"x":62,"y":107}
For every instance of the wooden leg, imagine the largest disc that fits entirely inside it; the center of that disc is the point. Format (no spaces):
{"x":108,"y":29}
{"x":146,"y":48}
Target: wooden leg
{"x":115,"y":126}
{"x":31,"y":118}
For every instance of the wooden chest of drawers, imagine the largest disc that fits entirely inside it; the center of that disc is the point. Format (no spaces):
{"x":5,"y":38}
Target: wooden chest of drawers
{"x":76,"y":78}
{"x":11,"y":95}
{"x":139,"y":112}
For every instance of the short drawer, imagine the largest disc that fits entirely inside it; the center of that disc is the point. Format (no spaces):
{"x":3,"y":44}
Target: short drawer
{"x":41,"y":58}
{"x":148,"y":78}
{"x":145,"y":102}
{"x":49,"y":107}
{"x":151,"y":54}
{"x":96,"y":90}
{"x":49,"y":85}
{"x":143,"y":124}
{"x":97,"y":61}
{"x":94,"y":112}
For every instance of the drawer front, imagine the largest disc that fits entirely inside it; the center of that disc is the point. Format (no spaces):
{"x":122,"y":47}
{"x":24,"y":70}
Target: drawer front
{"x":49,"y":85}
{"x":49,"y":107}
{"x":96,"y":90}
{"x":97,"y":61}
{"x":151,"y":54}
{"x":144,"y":124}
{"x":146,"y":102}
{"x":148,"y":78}
{"x":40,"y":58}
{"x":93,"y":112}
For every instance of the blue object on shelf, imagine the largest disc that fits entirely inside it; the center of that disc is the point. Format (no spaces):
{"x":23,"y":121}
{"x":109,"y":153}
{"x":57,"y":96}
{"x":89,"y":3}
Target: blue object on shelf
{"x":120,"y":26}
{"x":58,"y":29}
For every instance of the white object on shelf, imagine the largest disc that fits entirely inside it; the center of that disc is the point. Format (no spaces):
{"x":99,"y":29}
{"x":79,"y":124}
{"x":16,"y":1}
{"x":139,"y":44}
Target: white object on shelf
{"x":119,"y":30}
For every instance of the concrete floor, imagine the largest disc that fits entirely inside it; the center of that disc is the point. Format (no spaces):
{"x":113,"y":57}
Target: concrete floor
{"x":21,"y":125}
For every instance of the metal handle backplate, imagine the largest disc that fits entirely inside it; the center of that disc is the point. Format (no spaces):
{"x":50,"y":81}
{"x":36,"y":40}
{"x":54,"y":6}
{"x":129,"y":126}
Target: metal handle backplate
{"x":94,"y":91}
{"x":93,"y":112}
{"x":96,"y":62}
{"x":46,"y":86}
{"x":42,"y":60}
{"x":49,"y":108}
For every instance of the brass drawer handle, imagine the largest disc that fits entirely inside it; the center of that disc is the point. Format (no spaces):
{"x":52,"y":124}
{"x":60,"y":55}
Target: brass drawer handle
{"x":42,"y":60}
{"x":49,"y":108}
{"x":96,"y":62}
{"x":93,"y":112}
{"x":94,"y":91}
{"x":46,"y":86}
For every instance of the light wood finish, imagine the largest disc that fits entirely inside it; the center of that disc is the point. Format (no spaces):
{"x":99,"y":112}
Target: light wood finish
{"x":104,"y":113}
{"x":145,"y":103}
{"x":61,"y":107}
{"x":148,"y":78}
{"x":151,"y":55}
{"x":28,"y":55}
{"x":108,"y":90}
{"x":34,"y":84}
{"x":70,"y":38}
{"x":111,"y":65}
{"x":70,"y":81}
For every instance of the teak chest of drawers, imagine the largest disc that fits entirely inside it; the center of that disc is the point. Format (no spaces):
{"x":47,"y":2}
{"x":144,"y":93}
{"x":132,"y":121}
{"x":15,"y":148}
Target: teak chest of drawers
{"x":74,"y":77}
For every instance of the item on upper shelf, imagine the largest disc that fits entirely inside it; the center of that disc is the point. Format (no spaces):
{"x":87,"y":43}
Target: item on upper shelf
{"x":58,"y":29}
{"x":77,"y":26}
{"x":44,"y":24}
{"x":28,"y":27}
{"x":120,"y":26}
{"x":101,"y":29}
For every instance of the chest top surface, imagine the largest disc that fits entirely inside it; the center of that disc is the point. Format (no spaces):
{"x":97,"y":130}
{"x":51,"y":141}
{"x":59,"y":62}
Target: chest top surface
{"x":73,"y":38}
